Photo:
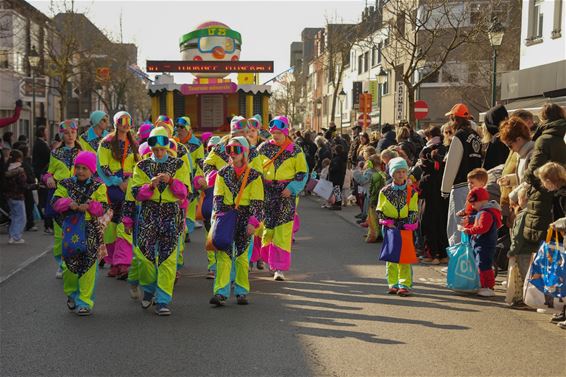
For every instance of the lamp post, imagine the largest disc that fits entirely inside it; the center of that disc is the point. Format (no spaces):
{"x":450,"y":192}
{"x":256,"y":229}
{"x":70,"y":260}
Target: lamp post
{"x":33,"y":59}
{"x":495,"y":34}
{"x":318,"y":115}
{"x":342,"y":96}
{"x":381,"y":78}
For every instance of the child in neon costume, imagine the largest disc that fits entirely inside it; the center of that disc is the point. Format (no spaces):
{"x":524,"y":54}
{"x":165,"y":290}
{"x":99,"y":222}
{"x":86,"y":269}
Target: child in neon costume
{"x":285,"y":174}
{"x":161,"y":183}
{"x":233,"y":179}
{"x":85,"y":196}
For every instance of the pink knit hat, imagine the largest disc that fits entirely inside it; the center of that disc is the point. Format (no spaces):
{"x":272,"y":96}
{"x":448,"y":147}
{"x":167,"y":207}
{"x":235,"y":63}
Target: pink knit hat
{"x":87,"y":159}
{"x":145,"y":129}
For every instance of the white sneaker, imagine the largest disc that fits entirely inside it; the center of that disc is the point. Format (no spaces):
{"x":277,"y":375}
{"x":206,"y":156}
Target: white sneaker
{"x":59,"y":273}
{"x":16,"y":242}
{"x":134,"y":292}
{"x":486,"y":292}
{"x":278,"y":276}
{"x":198,"y":224}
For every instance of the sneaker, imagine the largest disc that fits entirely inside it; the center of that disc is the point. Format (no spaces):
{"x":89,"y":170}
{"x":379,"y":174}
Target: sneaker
{"x":147,"y":300}
{"x":260,"y":265}
{"x":558,"y":317}
{"x":134,"y":292}
{"x":278,"y":276}
{"x":562,"y":325}
{"x":198,"y":224}
{"x":364,"y":225}
{"x":210,"y":274}
{"x":427,"y":260}
{"x":71,"y":305}
{"x":217,"y":300}
{"x":84,"y":312}
{"x":403,"y":292}
{"x":335,"y":208}
{"x":519,"y":305}
{"x":359,"y":216}
{"x":59,"y":273}
{"x":162,"y":310}
{"x":392,"y":291}
{"x":16,"y":242}
{"x":486,"y":292}
{"x":241,"y":300}
{"x":435,"y":262}
{"x":187,"y":239}
{"x":101,"y":264}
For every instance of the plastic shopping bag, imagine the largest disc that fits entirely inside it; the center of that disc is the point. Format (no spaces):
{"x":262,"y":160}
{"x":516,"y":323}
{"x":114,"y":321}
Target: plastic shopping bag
{"x":324,"y":189}
{"x":514,"y":282}
{"x":463,"y":270}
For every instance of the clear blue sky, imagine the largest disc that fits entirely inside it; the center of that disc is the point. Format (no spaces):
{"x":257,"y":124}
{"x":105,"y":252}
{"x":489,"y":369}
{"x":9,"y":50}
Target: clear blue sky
{"x":267,"y":27}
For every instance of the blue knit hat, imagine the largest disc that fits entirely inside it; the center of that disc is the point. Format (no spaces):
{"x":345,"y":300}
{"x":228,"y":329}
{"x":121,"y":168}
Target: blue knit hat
{"x":396,"y":164}
{"x":96,"y":117}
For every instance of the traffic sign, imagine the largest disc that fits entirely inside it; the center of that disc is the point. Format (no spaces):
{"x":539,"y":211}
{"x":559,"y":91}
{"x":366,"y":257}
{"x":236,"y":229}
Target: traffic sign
{"x":421,"y":109}
{"x":364,"y":120}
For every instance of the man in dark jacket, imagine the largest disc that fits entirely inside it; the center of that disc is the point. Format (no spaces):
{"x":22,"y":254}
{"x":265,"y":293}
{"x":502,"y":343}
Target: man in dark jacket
{"x":497,"y":152}
{"x":40,"y":161}
{"x":387,"y":138}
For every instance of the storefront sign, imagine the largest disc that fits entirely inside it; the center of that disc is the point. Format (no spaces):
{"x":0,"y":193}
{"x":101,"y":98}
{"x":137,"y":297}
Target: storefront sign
{"x":223,"y":88}
{"x":209,"y":66}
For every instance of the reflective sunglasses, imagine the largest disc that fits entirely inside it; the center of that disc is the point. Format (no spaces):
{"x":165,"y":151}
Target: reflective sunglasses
{"x":240,"y":125}
{"x":124,"y":121}
{"x":160,"y":140}
{"x":279,"y":124}
{"x":234,"y":150}
{"x":70,"y":124}
{"x":253,"y":123}
{"x":181,"y":123}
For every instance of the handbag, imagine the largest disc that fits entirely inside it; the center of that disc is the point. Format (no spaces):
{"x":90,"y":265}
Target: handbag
{"x":324,"y":189}
{"x":545,"y":286}
{"x":514,"y":283}
{"x":223,"y":227}
{"x":74,"y":234}
{"x":463,"y":271}
{"x":398,"y":244}
{"x":311,"y":184}
{"x":49,"y":212}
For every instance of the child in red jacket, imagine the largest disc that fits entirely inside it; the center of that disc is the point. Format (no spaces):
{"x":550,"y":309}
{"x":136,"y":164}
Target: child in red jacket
{"x":484,"y":236}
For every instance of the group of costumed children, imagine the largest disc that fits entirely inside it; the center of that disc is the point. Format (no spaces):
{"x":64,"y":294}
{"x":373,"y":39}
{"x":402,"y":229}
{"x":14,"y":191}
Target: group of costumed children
{"x":132,"y":203}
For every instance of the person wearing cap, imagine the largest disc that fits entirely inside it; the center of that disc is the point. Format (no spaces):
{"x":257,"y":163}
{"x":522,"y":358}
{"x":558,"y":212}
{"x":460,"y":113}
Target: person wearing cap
{"x":85,"y":198}
{"x":161,"y":184}
{"x":117,"y":156}
{"x":91,"y":138}
{"x":484,"y":236}
{"x":464,"y":155}
{"x":61,"y":167}
{"x":285,"y":173}
{"x":237,"y":184}
{"x":397,"y":207}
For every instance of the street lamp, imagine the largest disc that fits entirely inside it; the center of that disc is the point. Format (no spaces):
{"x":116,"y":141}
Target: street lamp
{"x":381,"y":79}
{"x":495,"y":34}
{"x":33,"y":59}
{"x":342,"y":96}
{"x":318,"y":115}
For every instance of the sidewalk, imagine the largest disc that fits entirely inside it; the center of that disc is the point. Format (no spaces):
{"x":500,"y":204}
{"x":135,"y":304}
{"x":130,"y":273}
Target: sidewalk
{"x":14,"y":258}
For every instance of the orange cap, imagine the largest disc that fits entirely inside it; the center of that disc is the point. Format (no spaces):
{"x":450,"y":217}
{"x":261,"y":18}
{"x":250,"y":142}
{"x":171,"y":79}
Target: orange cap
{"x":459,"y":110}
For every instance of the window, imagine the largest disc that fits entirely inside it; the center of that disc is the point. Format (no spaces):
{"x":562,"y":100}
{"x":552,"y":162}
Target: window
{"x":379,"y":48}
{"x":360,"y":64}
{"x":538,"y":19}
{"x":374,"y":56}
{"x":366,"y":61}
{"x":385,"y":85}
{"x":4,"y":59}
{"x":476,"y":13}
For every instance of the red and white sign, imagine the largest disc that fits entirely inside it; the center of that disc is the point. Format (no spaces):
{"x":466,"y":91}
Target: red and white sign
{"x":421,"y":109}
{"x":364,"y":120}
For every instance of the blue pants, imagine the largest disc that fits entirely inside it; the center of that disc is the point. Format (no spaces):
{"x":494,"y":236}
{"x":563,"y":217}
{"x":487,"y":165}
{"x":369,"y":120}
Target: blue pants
{"x":17,"y":218}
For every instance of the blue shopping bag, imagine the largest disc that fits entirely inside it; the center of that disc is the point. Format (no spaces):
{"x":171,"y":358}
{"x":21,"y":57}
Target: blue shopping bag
{"x":74,"y":234}
{"x":223,"y":230}
{"x":463,"y":271}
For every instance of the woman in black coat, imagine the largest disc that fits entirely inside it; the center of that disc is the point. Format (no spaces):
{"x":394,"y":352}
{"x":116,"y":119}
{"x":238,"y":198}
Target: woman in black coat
{"x":322,"y":152}
{"x":336,"y":174}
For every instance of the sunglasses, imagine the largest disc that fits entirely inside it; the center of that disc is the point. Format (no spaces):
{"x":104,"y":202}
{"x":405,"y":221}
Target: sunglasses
{"x":234,"y":150}
{"x":182,"y":123}
{"x":253,"y":123}
{"x":124,"y":121}
{"x":279,"y":124}
{"x":160,"y":140}
{"x":240,"y":125}
{"x":68,"y":125}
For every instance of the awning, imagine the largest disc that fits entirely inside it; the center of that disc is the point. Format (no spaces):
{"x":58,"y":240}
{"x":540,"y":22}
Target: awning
{"x":534,"y":105}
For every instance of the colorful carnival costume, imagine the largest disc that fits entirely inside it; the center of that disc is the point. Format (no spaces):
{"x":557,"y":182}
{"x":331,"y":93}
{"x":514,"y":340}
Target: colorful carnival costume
{"x":238,"y":189}
{"x":81,"y":232}
{"x":90,"y":140}
{"x":161,"y":219}
{"x":116,"y":160}
{"x":60,"y":167}
{"x":398,"y":207}
{"x":284,"y":168}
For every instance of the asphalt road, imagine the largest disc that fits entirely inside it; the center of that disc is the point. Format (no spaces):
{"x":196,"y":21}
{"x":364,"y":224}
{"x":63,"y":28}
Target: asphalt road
{"x":331,"y":318}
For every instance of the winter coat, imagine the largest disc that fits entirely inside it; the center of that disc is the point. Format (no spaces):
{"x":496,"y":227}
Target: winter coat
{"x":15,"y":186}
{"x":309,"y":149}
{"x":322,"y":153}
{"x":337,"y":170}
{"x":485,"y":225}
{"x":353,"y":151}
{"x":548,"y":147}
{"x":387,"y":140}
{"x":497,"y":152}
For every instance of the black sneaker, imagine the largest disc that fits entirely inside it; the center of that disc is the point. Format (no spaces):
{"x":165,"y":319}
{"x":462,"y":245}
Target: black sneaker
{"x":71,"y":304}
{"x":84,"y":312}
{"x":217,"y":300}
{"x":101,"y":264}
{"x":242,"y":300}
{"x":162,"y":310}
{"x":558,"y":317}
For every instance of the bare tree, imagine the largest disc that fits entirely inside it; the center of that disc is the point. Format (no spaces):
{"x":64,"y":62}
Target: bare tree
{"x":286,"y":98}
{"x":419,"y":37}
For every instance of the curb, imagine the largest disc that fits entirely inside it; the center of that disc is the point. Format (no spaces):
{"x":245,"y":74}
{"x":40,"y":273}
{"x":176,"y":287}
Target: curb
{"x":25,"y":264}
